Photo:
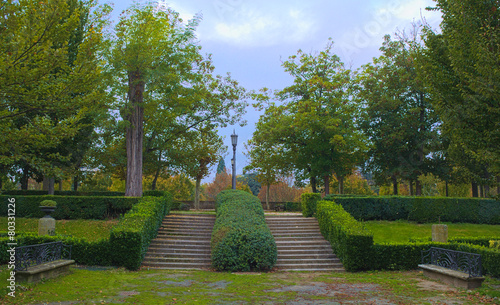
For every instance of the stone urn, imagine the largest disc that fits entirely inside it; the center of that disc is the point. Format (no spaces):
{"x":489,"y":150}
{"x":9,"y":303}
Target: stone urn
{"x":47,"y":224}
{"x":47,"y":209}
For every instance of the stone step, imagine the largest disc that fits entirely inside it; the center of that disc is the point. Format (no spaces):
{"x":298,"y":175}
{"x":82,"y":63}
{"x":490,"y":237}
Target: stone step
{"x":308,"y":266}
{"x":314,"y":261}
{"x":305,"y":257}
{"x":178,"y":247}
{"x":298,"y":234}
{"x":307,"y":251}
{"x":183,"y":224}
{"x":207,"y":235}
{"x":163,"y":241}
{"x":186,"y":237}
{"x":155,"y":259}
{"x":170,"y":251}
{"x":293,"y":226}
{"x":176,"y":265}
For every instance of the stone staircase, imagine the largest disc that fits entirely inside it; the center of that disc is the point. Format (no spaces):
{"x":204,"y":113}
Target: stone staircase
{"x":301,"y":247}
{"x":183,"y":242}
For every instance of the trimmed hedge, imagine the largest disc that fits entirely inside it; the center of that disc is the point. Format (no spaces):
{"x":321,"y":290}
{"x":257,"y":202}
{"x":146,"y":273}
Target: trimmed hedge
{"x":308,"y":202}
{"x":241,"y":239}
{"x":350,"y":241}
{"x":355,"y":248}
{"x":131,"y":237}
{"x":80,"y":193}
{"x":421,"y":209}
{"x":70,"y":207}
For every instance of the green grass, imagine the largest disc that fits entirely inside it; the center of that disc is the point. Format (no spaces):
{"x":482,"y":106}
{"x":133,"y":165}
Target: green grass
{"x":117,"y":286}
{"x":89,"y":229}
{"x":402,"y":231}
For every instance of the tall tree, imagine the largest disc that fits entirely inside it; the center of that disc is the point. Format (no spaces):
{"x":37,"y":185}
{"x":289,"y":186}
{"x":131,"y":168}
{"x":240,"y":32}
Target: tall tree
{"x":398,"y":117}
{"x":460,"y":67}
{"x":50,"y":70}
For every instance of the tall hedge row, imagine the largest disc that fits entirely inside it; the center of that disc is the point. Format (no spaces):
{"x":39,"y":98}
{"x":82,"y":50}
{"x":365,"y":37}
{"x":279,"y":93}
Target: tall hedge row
{"x":241,"y":239}
{"x":421,"y":209}
{"x":355,"y":248}
{"x":308,"y":202}
{"x":131,"y":237}
{"x":70,"y":207}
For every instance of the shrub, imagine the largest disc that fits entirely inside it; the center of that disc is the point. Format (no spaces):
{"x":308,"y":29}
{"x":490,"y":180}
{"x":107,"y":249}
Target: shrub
{"x":184,"y":207}
{"x":495,"y":244}
{"x":70,"y":207}
{"x":293,"y":207}
{"x":421,"y":209}
{"x":350,"y":241}
{"x":308,"y":202}
{"x":48,"y":203}
{"x":241,"y":240}
{"x":131,"y":237}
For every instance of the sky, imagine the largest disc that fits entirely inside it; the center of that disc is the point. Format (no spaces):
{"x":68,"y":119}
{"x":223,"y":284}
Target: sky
{"x":250,"y":39}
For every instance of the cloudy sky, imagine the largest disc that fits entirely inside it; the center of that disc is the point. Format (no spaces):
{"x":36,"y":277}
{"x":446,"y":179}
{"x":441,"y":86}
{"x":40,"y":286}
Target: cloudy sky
{"x":250,"y":38}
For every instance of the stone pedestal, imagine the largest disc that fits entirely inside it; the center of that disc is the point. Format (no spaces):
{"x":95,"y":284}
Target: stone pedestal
{"x":46,"y":226}
{"x":440,"y":233}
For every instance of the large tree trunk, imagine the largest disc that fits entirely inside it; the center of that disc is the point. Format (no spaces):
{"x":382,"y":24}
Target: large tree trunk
{"x":341,"y":184}
{"x":474,"y":189}
{"x":418,"y":188}
{"x":25,"y":178}
{"x":75,"y":182}
{"x":60,"y":185}
{"x":394,"y":185}
{"x":327,"y":185}
{"x":197,"y":193}
{"x":412,"y":193}
{"x":268,"y":189}
{"x":447,"y":189}
{"x":135,"y":135}
{"x":313,"y":185}
{"x":48,"y":185}
{"x":155,"y":180}
{"x":498,"y":185}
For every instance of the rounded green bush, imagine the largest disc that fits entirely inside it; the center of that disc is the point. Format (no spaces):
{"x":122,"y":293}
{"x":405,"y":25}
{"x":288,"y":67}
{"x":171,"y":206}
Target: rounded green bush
{"x":48,"y":203}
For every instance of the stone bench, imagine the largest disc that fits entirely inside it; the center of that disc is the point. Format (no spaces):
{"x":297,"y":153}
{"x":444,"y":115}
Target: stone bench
{"x":459,"y":269}
{"x":42,"y":261}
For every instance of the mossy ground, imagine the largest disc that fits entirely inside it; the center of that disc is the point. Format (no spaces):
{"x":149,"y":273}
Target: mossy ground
{"x":117,"y":286}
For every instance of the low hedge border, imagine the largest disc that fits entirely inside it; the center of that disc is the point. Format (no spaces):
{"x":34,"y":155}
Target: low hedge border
{"x":355,"y":248}
{"x":131,"y":237}
{"x":70,"y":207}
{"x":421,"y":209}
{"x":241,"y":239}
{"x":126,"y":246}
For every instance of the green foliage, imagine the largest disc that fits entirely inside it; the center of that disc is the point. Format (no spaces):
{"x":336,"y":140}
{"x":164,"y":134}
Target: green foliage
{"x":350,"y":241}
{"x":70,"y":207}
{"x":308,"y":202}
{"x":48,"y":203}
{"x":131,"y":237}
{"x":495,"y":244}
{"x":422,"y":209}
{"x":63,"y":193}
{"x":241,"y":240}
{"x":84,"y":252}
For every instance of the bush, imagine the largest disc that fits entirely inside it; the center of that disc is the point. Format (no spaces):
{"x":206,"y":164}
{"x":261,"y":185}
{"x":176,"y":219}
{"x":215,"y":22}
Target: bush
{"x":131,"y":237}
{"x":70,"y":207}
{"x":184,"y":207}
{"x":350,"y":241}
{"x":293,"y":207}
{"x":495,"y":244}
{"x":48,"y":203}
{"x":241,"y":240}
{"x":308,"y":202}
{"x":421,"y":209}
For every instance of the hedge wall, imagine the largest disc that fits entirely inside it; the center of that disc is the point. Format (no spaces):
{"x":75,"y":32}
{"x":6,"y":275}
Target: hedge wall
{"x":131,"y":237}
{"x":70,"y":207}
{"x":308,"y":202}
{"x":421,"y":209}
{"x":80,"y":193}
{"x":350,"y":241}
{"x":241,"y":239}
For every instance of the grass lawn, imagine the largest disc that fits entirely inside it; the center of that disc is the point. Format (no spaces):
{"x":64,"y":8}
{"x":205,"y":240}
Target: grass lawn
{"x":117,"y":286}
{"x":89,"y":229}
{"x":402,"y":231}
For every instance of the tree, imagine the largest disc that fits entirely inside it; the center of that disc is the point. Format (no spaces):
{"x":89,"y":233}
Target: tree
{"x":221,"y":166}
{"x":460,"y":67}
{"x":314,"y":129}
{"x":50,"y":70}
{"x":166,"y":87}
{"x":398,"y":117}
{"x":221,"y":182}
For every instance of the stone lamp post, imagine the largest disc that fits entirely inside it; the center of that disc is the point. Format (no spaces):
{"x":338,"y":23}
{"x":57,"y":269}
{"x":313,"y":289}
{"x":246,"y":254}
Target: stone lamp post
{"x":234,"y":141}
